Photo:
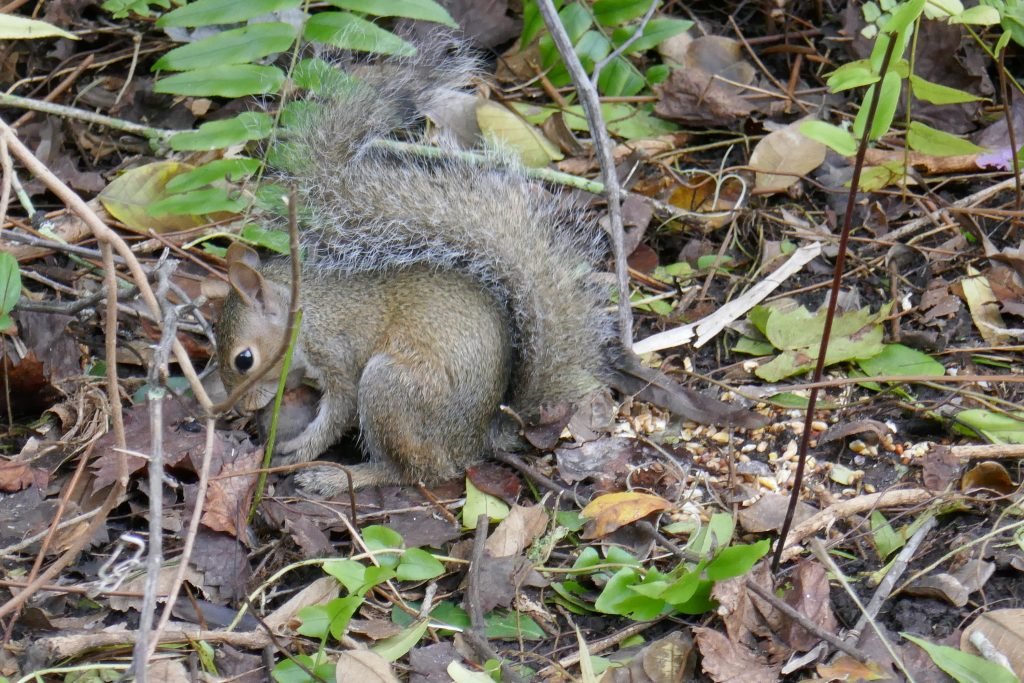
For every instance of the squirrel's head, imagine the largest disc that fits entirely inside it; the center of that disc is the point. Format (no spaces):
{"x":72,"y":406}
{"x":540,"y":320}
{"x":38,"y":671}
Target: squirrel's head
{"x":251,"y":327}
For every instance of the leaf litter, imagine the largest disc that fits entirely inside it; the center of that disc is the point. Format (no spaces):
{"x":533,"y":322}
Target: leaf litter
{"x":638,"y":528}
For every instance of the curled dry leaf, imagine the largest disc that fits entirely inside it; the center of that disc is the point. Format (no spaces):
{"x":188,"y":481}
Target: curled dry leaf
{"x":990,"y":476}
{"x":1003,"y":629}
{"x":613,"y":510}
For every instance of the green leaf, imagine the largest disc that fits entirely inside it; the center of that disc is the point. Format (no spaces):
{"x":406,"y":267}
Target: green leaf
{"x":615,"y":12}
{"x":10,"y":284}
{"x":736,"y":560}
{"x":964,"y":667}
{"x":618,"y":598}
{"x":424,"y":10}
{"x":752,"y":347}
{"x":852,"y":75}
{"x":928,"y":140}
{"x":214,"y":171}
{"x":855,"y":334}
{"x":655,"y":33}
{"x":979,"y":15}
{"x":903,"y":16}
{"x":333,"y":618}
{"x":478,"y":503}
{"x":888,"y":100}
{"x":837,"y":139}
{"x":356,"y":577}
{"x":576,"y":20}
{"x":716,"y":534}
{"x":996,"y":427}
{"x":13,"y":27}
{"x":349,"y":32}
{"x":228,"y":80}
{"x":210,"y":12}
{"x":682,"y":590}
{"x":418,"y":565}
{"x":897,"y":359}
{"x":939,"y":94}
{"x":509,"y":625}
{"x":377,"y":537}
{"x":274,"y":240}
{"x":203,"y":202}
{"x":619,"y":78}
{"x":237,"y":46}
{"x":394,"y":647}
{"x":289,"y":671}
{"x":220,"y":134}
{"x":887,"y":540}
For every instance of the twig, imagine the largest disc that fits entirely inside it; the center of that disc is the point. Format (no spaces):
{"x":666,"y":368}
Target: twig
{"x":822,"y":554}
{"x":854,"y":506}
{"x":800,"y":618}
{"x":885,"y":587}
{"x":154,"y":399}
{"x":830,"y":315}
{"x":56,"y":92}
{"x":65,"y":111}
{"x":603,"y":148}
{"x":104,"y":234}
{"x":476,"y":636}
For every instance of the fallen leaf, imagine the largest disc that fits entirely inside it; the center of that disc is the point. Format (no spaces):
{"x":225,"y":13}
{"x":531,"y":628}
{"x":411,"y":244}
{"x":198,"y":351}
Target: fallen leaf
{"x":1004,"y":630}
{"x":783,"y":157}
{"x":613,"y":510}
{"x":726,"y":661}
{"x":988,"y":475}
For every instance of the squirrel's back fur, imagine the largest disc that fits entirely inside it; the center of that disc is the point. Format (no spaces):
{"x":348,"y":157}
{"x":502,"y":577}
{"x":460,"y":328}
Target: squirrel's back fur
{"x":369,"y":208}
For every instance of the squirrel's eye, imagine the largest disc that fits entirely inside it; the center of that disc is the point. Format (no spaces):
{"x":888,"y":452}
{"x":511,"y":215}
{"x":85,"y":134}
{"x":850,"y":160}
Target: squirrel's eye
{"x":244,"y":360}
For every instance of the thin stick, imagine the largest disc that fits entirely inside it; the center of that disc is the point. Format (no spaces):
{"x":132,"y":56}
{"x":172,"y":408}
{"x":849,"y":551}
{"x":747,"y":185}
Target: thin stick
{"x":830,"y":315}
{"x":603,"y":147}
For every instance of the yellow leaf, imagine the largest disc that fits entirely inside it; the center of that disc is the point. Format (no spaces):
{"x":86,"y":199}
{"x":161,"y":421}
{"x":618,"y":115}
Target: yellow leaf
{"x":503,"y":128}
{"x":613,"y":510}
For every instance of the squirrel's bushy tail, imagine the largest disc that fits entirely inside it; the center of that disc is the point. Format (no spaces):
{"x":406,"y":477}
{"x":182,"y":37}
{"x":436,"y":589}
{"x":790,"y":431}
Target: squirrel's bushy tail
{"x":370,"y":209}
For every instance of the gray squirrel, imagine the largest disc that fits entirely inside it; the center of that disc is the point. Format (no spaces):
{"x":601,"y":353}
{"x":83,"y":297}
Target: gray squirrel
{"x":434,"y":292}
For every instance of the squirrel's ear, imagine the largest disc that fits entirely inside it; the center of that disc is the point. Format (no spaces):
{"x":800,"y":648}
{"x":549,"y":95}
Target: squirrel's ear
{"x":247,"y":283}
{"x":240,"y":253}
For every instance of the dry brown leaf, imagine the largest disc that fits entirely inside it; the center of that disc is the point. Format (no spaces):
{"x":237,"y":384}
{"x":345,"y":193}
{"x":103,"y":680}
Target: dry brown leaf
{"x":724,"y":660}
{"x":516,"y":532}
{"x":1004,"y":630}
{"x":988,"y":475}
{"x":364,"y":666}
{"x":783,"y":157}
{"x":613,"y":510}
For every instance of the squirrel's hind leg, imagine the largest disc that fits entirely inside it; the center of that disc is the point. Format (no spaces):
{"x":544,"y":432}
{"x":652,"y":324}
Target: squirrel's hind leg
{"x":422,"y":417}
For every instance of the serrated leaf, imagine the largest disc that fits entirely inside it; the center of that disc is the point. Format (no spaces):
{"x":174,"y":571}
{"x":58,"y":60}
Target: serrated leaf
{"x":237,"y":46}
{"x":211,"y":12}
{"x":13,"y":27}
{"x":220,"y":134}
{"x":928,"y":140}
{"x":228,"y":80}
{"x":349,"y":32}
{"x":423,"y":10}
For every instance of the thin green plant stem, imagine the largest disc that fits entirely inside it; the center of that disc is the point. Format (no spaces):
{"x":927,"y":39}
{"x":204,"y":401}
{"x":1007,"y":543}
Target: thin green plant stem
{"x":268,"y":452}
